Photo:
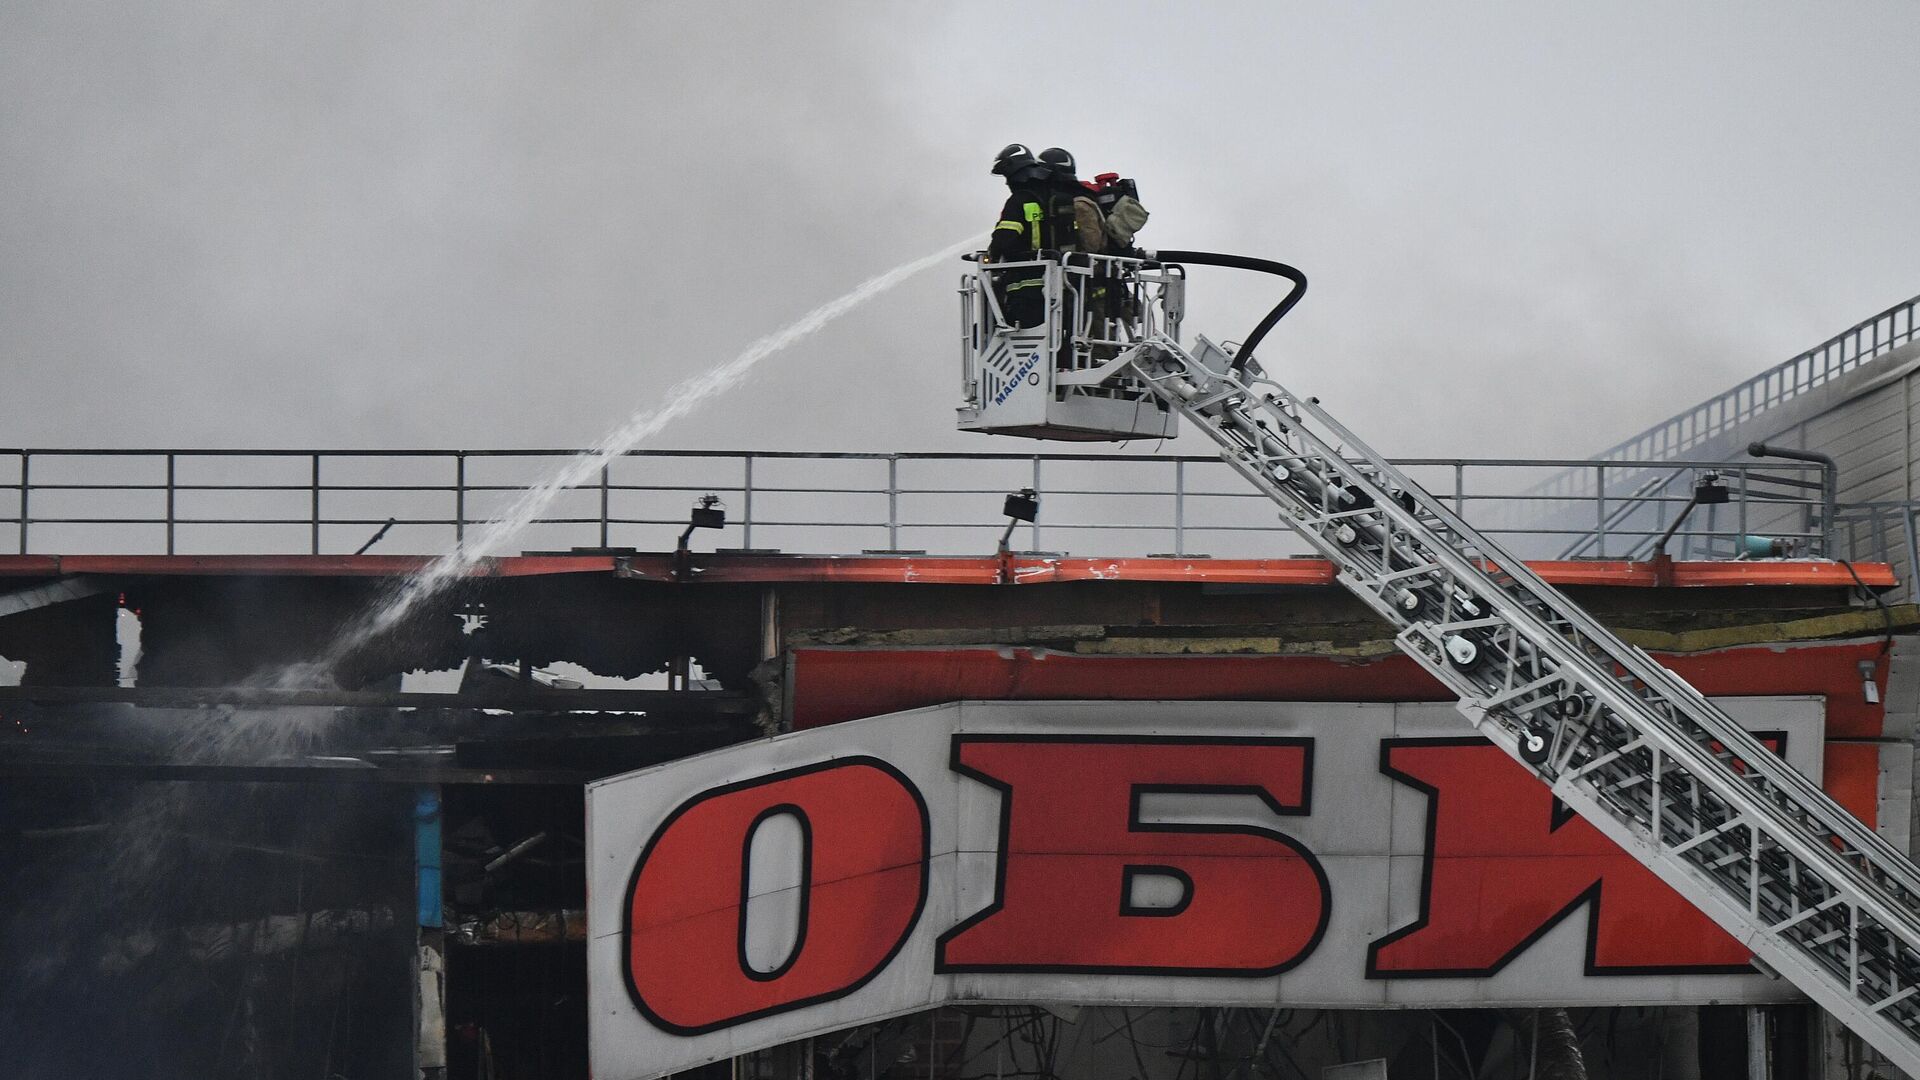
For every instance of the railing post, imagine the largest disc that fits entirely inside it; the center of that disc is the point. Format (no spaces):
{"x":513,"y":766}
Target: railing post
{"x":26,"y":465}
{"x":170,"y":458}
{"x":459,"y":499}
{"x":1829,"y":502}
{"x":746,"y":511}
{"x":1179,"y":508}
{"x":1913,"y":554}
{"x":1600,"y":509}
{"x":1460,"y":488}
{"x":604,"y":470}
{"x":1744,"y":527}
{"x":316,"y":504}
{"x":893,"y":502}
{"x":1034,"y":536}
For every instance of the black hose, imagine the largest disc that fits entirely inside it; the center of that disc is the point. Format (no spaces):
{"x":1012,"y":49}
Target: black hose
{"x":1242,"y":262}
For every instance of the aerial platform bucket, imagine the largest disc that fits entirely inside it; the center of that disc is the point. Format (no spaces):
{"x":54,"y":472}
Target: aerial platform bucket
{"x":1057,"y":378}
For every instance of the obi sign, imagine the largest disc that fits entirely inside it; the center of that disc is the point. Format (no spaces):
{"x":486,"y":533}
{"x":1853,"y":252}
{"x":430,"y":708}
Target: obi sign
{"x":1193,"y":853}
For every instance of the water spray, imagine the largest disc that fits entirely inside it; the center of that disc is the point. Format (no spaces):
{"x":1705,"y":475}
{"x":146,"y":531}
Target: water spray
{"x":439,"y":575}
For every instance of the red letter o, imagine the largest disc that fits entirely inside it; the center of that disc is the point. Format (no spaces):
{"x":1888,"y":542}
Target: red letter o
{"x":865,"y":883}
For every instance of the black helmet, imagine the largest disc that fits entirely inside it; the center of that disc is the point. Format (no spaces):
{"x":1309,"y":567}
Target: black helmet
{"x":1013,"y":158}
{"x":1058,"y":161}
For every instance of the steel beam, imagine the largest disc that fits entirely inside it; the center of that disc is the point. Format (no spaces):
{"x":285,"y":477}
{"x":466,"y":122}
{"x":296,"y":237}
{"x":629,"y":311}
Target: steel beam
{"x":692,"y":704}
{"x":290,"y":774}
{"x":34,"y":597}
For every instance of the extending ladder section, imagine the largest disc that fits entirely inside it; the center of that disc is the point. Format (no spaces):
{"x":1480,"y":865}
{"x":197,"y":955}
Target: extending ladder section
{"x":1819,"y":898}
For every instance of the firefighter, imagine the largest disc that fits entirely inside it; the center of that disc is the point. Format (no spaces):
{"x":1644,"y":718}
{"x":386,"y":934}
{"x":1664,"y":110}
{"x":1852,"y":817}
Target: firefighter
{"x":1067,"y":185}
{"x":1102,"y":295}
{"x":1037,"y":219}
{"x":1060,"y":165}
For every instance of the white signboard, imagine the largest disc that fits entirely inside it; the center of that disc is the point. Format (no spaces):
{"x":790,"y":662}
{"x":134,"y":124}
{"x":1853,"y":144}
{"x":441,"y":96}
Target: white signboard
{"x":1191,"y":853}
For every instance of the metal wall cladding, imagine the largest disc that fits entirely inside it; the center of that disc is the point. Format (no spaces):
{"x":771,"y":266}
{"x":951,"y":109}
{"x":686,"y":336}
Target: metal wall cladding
{"x":1195,"y":853}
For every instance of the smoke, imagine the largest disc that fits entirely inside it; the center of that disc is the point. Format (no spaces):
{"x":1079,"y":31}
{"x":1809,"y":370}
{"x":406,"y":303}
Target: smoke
{"x":364,"y":225}
{"x":176,"y":930}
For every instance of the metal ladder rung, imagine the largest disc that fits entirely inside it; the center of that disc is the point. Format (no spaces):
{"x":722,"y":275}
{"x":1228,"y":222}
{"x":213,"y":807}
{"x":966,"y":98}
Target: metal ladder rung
{"x":1716,"y":831}
{"x":1441,"y":629}
{"x":1524,"y":689}
{"x":1608,"y":758}
{"x":1327,"y":517}
{"x":1729,"y":857}
{"x":1896,"y":999}
{"x":1826,"y":905}
{"x":1412,"y":571}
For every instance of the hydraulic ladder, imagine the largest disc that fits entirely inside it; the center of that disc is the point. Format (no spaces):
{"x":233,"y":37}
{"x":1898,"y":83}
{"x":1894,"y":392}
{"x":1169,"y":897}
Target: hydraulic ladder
{"x":1818,"y":897}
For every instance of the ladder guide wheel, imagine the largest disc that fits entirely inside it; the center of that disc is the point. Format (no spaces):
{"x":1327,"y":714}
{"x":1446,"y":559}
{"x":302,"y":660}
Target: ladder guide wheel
{"x":1463,"y":652}
{"x":1535,"y":742}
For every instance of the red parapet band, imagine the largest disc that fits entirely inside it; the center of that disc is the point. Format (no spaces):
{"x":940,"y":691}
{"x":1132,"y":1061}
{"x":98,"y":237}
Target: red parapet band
{"x":928,"y":570}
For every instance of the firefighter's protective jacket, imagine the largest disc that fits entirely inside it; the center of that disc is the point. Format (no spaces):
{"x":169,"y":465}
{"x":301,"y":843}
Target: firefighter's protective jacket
{"x":1036,"y":218}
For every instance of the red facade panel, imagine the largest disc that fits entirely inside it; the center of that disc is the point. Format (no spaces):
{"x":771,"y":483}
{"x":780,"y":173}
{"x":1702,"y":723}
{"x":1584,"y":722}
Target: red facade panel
{"x":830,"y":685}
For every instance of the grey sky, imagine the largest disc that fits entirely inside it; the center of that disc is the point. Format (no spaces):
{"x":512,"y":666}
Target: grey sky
{"x":1531,"y":228}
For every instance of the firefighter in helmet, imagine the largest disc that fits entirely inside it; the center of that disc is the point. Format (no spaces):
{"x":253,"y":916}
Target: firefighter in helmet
{"x":1095,"y":291}
{"x":1036,"y":222}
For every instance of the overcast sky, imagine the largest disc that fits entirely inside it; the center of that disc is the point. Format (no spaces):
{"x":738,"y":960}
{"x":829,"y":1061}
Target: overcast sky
{"x":1531,"y":228}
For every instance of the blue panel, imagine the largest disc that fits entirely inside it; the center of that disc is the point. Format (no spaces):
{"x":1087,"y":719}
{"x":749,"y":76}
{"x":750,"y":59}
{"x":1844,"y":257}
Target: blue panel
{"x":426,"y":853}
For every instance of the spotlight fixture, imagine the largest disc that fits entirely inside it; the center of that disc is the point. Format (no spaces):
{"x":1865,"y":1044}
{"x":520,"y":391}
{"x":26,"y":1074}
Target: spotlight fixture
{"x":1869,"y":689}
{"x":707,"y":514}
{"x":1711,"y":490}
{"x":1022,"y":505}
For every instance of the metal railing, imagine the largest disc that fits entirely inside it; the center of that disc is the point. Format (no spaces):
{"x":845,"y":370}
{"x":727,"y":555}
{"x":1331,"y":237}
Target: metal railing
{"x":1146,"y":298}
{"x":1645,"y":464}
{"x":1786,"y":504}
{"x":77,"y":501}
{"x":1887,"y":532}
{"x":1817,"y":366}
